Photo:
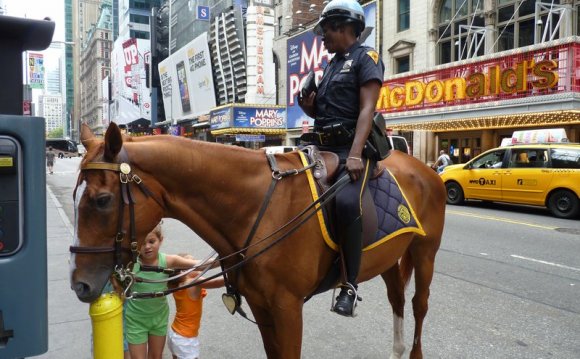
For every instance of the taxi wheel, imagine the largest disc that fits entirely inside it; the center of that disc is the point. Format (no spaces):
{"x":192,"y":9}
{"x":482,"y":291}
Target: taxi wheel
{"x":564,"y":204}
{"x":454,"y":193}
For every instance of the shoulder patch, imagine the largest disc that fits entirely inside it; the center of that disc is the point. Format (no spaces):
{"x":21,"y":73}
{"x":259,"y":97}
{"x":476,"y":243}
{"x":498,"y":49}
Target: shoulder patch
{"x":373,"y":55}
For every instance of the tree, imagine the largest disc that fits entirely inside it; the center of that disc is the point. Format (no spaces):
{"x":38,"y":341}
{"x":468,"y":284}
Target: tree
{"x":56,"y":133}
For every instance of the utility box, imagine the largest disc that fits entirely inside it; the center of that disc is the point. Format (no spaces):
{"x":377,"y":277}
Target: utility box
{"x":23,"y":262}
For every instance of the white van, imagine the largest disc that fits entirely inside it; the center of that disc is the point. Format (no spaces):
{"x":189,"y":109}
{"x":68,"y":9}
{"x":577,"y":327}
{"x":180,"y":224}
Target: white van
{"x":399,"y":143}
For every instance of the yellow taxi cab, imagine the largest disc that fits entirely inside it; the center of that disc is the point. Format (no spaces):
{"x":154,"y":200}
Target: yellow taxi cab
{"x":533,"y":174}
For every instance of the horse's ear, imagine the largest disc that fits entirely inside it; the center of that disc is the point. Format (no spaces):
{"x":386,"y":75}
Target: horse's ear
{"x":113,"y":141}
{"x":87,"y":136}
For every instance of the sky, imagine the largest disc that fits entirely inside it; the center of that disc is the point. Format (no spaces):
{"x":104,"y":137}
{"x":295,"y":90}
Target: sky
{"x":38,"y":10}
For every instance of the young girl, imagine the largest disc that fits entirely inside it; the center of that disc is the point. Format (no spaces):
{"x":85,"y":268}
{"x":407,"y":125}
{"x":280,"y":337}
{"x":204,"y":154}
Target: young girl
{"x":182,"y":335}
{"x":146,"y":319}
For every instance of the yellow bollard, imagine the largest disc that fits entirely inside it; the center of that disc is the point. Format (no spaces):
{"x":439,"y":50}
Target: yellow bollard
{"x":107,"y":317}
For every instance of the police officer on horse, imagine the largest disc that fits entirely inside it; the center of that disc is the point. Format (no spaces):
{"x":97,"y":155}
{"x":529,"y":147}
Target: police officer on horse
{"x":343,"y":106}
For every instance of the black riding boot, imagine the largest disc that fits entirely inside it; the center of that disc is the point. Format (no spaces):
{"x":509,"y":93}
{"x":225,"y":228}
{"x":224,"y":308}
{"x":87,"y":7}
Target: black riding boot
{"x":351,"y":249}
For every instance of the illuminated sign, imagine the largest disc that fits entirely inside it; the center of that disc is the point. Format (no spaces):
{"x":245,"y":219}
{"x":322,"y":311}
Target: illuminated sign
{"x":525,"y":75}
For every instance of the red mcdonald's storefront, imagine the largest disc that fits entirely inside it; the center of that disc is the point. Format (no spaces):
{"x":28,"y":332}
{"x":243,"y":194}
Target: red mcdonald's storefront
{"x":469,"y":106}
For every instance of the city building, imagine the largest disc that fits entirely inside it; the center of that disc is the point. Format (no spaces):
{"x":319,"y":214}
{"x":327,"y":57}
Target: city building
{"x":51,"y":107}
{"x":83,"y":15}
{"x":95,"y":66}
{"x":463,"y":75}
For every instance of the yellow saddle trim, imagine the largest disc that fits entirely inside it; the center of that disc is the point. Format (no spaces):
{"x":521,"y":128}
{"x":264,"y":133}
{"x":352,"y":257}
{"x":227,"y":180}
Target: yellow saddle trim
{"x":314,"y":192}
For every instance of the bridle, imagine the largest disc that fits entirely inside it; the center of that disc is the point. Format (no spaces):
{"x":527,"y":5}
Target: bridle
{"x":126,"y":178}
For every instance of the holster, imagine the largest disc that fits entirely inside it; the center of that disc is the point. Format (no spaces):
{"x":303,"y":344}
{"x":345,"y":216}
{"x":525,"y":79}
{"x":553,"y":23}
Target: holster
{"x":377,"y":146}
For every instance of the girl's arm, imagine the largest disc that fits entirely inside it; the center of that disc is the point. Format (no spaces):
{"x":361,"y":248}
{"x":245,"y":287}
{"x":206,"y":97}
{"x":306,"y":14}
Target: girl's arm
{"x":175,"y":261}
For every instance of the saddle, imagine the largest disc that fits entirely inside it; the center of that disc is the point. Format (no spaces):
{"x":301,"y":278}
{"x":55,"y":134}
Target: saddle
{"x":386,"y":209}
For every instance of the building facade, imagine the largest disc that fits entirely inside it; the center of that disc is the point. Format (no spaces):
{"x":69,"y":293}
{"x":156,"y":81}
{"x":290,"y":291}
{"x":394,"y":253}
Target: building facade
{"x":492,"y":49}
{"x":51,"y":107}
{"x":95,"y":65}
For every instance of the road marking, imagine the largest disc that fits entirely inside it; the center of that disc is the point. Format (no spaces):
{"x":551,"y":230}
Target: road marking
{"x":544,"y":262}
{"x":500,"y":219}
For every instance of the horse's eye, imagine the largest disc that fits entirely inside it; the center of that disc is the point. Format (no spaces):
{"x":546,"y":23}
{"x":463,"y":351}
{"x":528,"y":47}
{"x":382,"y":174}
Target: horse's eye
{"x":103,"y":200}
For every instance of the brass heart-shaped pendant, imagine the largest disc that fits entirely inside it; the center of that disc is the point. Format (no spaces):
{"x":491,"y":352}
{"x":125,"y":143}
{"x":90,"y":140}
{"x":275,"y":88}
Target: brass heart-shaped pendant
{"x":230,"y":301}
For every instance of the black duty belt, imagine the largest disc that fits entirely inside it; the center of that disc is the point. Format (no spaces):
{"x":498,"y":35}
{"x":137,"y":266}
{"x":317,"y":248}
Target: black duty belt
{"x":331,"y":135}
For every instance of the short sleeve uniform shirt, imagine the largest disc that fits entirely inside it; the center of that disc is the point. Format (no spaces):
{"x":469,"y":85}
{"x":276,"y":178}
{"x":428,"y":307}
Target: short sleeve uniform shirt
{"x":337,"y":98}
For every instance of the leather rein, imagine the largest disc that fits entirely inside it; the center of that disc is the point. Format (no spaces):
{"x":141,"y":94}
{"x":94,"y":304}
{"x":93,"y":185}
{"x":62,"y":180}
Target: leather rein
{"x":127,"y":277}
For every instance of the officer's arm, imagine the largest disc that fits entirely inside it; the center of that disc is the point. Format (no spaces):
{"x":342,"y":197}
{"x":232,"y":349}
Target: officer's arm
{"x":369,"y":94}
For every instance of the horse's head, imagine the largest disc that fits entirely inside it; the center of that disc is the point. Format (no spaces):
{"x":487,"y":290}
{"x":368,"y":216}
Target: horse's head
{"x":113,"y":212}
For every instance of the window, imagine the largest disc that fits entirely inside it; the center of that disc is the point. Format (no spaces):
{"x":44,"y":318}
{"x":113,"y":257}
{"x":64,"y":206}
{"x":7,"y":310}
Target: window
{"x":528,"y":158}
{"x":404,"y":15}
{"x":455,"y":17}
{"x":402,"y":64}
{"x":491,"y":160}
{"x":565,"y":158}
{"x":280,"y":19}
{"x":516,"y":23}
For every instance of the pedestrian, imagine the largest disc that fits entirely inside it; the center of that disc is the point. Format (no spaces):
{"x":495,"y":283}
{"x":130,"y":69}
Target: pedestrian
{"x":146,"y":319}
{"x":343,"y":106}
{"x":182,"y":336}
{"x":50,"y":157}
{"x":442,"y":161}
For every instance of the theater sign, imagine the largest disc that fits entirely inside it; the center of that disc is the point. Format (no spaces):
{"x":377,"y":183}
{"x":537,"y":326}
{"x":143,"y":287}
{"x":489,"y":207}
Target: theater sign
{"x":500,"y":77}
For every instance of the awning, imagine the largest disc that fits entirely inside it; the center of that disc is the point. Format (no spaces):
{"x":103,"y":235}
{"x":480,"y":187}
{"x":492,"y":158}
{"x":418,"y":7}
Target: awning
{"x":552,"y":118}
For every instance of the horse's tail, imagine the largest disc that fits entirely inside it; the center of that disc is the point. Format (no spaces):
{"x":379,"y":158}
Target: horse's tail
{"x":406,"y":267}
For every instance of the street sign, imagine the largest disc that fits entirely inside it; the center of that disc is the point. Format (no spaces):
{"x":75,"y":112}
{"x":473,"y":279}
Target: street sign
{"x":202,"y":13}
{"x":250,"y":138}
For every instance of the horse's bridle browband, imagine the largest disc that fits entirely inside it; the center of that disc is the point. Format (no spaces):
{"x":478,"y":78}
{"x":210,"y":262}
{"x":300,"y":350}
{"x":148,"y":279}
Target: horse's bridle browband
{"x":126,"y":199}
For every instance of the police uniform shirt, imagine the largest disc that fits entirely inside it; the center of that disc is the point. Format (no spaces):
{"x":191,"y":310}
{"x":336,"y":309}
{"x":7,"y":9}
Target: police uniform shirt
{"x":338,"y":97}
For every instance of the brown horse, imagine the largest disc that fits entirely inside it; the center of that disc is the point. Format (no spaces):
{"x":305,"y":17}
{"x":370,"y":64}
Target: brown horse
{"x":217,"y":191}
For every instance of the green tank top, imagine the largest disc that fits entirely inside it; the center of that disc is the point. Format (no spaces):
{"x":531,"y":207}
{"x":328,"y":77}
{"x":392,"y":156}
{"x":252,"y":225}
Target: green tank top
{"x":148,"y":306}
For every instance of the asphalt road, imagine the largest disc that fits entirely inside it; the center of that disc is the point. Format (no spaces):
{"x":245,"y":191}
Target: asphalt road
{"x":507,"y":284}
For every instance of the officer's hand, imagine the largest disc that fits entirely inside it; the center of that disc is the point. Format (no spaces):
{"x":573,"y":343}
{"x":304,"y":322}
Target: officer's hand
{"x":355,"y":168}
{"x":307,"y":102}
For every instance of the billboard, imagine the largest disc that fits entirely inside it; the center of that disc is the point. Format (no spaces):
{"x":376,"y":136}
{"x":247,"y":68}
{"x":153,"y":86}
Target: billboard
{"x":129,"y":62}
{"x":35,"y":70}
{"x":306,"y":53}
{"x":252,"y":117}
{"x":187,"y":81}
{"x":260,"y":59}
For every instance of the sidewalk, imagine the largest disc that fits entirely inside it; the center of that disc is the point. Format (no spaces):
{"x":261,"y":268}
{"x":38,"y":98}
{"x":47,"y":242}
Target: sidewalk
{"x":69,"y":325}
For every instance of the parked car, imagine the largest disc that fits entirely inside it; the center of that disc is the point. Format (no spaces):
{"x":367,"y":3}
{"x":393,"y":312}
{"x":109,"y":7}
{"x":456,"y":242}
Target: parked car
{"x":82,"y":150}
{"x":532,"y":174}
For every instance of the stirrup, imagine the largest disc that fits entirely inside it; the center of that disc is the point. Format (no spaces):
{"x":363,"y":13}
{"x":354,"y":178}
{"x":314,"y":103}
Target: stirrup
{"x":348,"y":286}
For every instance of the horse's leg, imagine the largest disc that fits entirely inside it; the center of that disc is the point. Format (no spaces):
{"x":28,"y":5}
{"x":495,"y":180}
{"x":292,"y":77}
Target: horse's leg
{"x":423,"y":258}
{"x":281,"y":328}
{"x":396,"y":294}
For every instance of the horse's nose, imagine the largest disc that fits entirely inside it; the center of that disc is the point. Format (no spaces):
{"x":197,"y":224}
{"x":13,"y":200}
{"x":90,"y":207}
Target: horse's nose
{"x":82,"y":290}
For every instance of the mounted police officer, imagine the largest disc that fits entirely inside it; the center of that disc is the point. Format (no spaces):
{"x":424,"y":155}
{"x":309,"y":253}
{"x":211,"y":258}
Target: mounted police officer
{"x":343,"y":107}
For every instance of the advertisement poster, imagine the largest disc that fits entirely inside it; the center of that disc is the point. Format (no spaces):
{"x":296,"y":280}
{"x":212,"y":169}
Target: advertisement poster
{"x":36,"y":71}
{"x":187,"y":81}
{"x":251,"y":117}
{"x":306,"y":53}
{"x":220,"y":118}
{"x":130,"y":60}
